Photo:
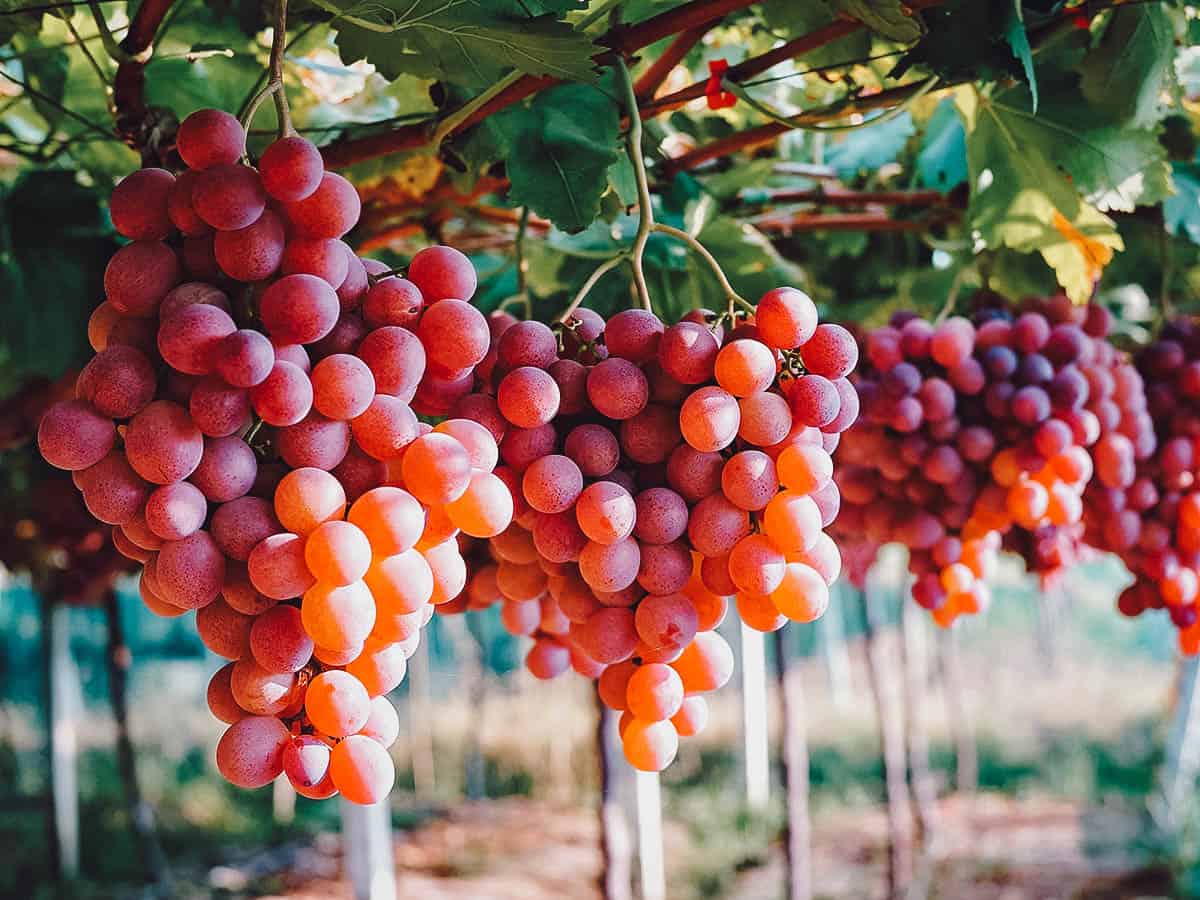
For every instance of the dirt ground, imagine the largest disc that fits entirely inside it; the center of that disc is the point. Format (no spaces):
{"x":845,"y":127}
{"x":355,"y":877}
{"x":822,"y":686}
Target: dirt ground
{"x":993,"y":848}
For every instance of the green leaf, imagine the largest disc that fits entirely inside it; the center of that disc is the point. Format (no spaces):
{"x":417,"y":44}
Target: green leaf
{"x":889,"y":18}
{"x":1115,"y":168}
{"x":1021,"y":199}
{"x":558,"y":153}
{"x":1125,"y":73}
{"x":792,"y":18}
{"x":1014,"y":33}
{"x":942,"y":160}
{"x":623,"y":180}
{"x":45,"y":70}
{"x":217,"y":82}
{"x":467,"y":42}
{"x":1181,"y":211}
{"x":872,"y":146}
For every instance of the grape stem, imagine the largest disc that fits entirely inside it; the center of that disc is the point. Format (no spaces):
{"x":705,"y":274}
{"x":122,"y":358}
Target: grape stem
{"x":645,"y":205}
{"x":735,"y":299}
{"x":274,"y":87}
{"x":603,"y":269}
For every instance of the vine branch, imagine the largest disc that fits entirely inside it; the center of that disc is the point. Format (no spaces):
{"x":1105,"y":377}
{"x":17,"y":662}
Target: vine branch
{"x":645,"y":204}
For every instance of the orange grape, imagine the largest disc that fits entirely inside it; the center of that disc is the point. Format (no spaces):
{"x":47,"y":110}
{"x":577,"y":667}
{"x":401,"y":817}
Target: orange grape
{"x":654,"y":692}
{"x":436,"y":468}
{"x":475,"y":439}
{"x":957,"y":578}
{"x":338,"y":617}
{"x":391,"y":518}
{"x":759,"y":612}
{"x":307,"y":497}
{"x":485,"y":508}
{"x":449,"y":571}
{"x":361,"y":769}
{"x":706,"y":663}
{"x":804,"y":468}
{"x":802,"y":595}
{"x":650,"y":746}
{"x":793,"y":521}
{"x":380,"y":670}
{"x":745,"y":367}
{"x":606,"y":512}
{"x":613,"y":684}
{"x":692,"y":717}
{"x":337,"y":553}
{"x":337,"y":703}
{"x":383,"y":724}
{"x":401,"y":583}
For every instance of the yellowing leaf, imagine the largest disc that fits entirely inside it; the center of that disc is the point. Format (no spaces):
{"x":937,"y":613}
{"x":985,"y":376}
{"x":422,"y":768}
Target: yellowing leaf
{"x":1087,"y":247}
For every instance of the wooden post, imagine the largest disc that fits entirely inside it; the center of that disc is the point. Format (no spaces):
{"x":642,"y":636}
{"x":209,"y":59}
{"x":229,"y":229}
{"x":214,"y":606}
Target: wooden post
{"x":420,"y":720}
{"x":831,"y":630}
{"x":755,"y":743}
{"x":367,"y":853}
{"x":798,"y":827}
{"x":616,"y":851}
{"x":1177,"y":779}
{"x":958,"y":715}
{"x":650,"y":839}
{"x":141,"y":814}
{"x":469,"y":655}
{"x":891,"y":741}
{"x":63,"y":706}
{"x":916,"y":681}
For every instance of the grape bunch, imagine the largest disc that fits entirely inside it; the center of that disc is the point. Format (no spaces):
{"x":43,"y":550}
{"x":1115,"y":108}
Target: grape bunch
{"x":1148,"y":510}
{"x":646,"y":465}
{"x":249,"y":428}
{"x":977,"y":433}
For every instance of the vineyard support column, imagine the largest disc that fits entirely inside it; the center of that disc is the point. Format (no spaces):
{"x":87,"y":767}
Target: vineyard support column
{"x":891,"y":739}
{"x":420,"y":719}
{"x":1178,"y":777}
{"x":916,"y":680}
{"x":616,"y":850}
{"x":831,"y":629}
{"x":756,"y":746}
{"x":797,"y":843}
{"x":62,"y":682}
{"x":958,"y":714}
{"x":651,"y":866}
{"x":141,"y":815}
{"x":367,"y":852}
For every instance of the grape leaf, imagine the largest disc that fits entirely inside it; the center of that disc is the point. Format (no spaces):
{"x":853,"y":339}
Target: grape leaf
{"x":558,"y":151}
{"x":468,"y":42}
{"x":1018,"y":40}
{"x":44,"y":69}
{"x":942,"y":160}
{"x":1181,"y":211}
{"x":1021,"y":199}
{"x":889,"y":18}
{"x":1115,"y":168}
{"x":871,"y":146}
{"x":184,"y":86}
{"x":1125,"y":73}
{"x":792,"y":18}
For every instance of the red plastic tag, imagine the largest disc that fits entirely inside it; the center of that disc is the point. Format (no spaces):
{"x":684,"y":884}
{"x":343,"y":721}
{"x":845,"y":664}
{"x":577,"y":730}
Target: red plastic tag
{"x":718,"y":97}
